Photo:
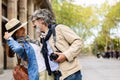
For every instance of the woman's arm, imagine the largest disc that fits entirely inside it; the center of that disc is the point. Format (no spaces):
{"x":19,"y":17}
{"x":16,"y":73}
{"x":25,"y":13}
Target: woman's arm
{"x":14,"y":45}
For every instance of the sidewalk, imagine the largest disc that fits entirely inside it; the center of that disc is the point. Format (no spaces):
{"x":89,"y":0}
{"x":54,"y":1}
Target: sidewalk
{"x":6,"y":75}
{"x":94,"y":68}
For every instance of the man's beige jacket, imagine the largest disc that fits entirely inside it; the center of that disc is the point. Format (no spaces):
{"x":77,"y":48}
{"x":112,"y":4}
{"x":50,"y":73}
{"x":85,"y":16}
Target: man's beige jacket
{"x":70,"y":44}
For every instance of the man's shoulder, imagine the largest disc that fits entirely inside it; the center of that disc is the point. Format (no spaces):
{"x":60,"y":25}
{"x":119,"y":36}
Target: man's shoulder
{"x":61,"y":26}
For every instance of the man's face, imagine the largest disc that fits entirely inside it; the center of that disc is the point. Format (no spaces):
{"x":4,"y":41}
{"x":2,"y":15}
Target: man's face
{"x":39,"y":23}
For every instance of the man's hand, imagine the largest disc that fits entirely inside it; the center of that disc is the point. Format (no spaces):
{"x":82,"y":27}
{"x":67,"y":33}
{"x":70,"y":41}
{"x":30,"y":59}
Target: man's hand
{"x":7,"y":35}
{"x":61,"y":57}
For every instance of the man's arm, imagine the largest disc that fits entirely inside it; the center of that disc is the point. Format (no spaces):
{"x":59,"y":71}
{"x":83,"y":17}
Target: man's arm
{"x":74,"y":40}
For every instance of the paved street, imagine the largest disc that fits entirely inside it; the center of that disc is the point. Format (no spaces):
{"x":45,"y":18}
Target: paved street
{"x":100,"y":69}
{"x":7,"y":75}
{"x":92,"y":69}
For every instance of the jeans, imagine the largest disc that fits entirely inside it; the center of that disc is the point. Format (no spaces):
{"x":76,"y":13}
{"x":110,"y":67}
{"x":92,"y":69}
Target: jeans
{"x":75,"y":76}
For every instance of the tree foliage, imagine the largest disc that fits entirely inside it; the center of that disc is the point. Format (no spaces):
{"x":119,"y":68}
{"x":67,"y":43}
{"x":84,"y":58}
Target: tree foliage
{"x":79,"y":18}
{"x":83,"y":19}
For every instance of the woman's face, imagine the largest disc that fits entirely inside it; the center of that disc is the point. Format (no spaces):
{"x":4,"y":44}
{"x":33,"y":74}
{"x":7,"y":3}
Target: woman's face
{"x":20,"y":32}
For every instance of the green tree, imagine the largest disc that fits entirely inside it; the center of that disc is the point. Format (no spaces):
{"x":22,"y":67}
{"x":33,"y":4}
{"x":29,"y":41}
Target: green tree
{"x":80,"y":19}
{"x":83,"y":19}
{"x":111,"y":21}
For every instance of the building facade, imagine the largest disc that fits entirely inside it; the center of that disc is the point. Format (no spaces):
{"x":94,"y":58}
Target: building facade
{"x":22,"y":10}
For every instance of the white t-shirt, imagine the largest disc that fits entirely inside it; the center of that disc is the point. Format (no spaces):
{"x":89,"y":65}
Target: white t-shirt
{"x":53,"y":65}
{"x":39,"y":57}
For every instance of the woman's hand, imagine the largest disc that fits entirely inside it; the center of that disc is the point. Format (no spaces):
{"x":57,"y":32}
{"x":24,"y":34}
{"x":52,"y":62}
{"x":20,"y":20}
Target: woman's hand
{"x":7,"y":35}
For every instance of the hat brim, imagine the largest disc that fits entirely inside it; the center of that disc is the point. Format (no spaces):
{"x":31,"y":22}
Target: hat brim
{"x":23,"y":24}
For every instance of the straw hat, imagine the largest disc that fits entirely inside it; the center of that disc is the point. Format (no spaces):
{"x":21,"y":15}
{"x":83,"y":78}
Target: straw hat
{"x":13,"y":25}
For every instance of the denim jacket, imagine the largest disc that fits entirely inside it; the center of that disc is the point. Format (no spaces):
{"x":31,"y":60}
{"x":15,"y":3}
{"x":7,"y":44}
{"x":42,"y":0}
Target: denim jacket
{"x":32,"y":61}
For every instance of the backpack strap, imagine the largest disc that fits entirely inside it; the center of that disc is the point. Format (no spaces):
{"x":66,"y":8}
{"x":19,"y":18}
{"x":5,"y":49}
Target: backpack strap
{"x":54,"y":33}
{"x":54,"y":36}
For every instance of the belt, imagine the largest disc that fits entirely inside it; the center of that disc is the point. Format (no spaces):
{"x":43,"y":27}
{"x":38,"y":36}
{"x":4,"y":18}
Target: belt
{"x":56,"y":72}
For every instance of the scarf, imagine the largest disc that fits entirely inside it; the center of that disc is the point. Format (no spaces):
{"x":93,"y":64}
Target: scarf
{"x":44,"y":47}
{"x":28,"y":39}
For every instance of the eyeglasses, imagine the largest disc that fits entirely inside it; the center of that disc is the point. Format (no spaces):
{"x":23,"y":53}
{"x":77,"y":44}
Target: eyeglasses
{"x":35,"y":18}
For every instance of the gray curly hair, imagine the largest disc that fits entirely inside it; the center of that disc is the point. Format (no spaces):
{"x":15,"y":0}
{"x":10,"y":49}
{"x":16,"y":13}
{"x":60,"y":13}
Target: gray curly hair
{"x":44,"y":14}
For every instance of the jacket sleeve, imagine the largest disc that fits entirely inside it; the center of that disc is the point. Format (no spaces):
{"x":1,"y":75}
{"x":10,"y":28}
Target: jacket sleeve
{"x":76,"y":43}
{"x":16,"y":47}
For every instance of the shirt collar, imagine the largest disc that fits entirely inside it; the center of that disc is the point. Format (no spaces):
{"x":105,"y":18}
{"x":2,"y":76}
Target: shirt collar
{"x":45,"y":33}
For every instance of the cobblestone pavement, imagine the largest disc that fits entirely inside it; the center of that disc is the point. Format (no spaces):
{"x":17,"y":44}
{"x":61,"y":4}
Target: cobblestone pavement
{"x":6,"y":75}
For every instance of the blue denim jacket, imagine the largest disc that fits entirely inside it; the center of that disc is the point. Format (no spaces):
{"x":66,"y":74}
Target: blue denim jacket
{"x":32,"y":63}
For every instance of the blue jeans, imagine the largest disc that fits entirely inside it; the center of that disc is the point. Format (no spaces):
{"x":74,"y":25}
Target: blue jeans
{"x":75,"y":76}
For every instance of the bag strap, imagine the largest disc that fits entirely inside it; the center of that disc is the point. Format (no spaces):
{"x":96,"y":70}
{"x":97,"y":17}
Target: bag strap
{"x":54,"y":36}
{"x":18,"y":60}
